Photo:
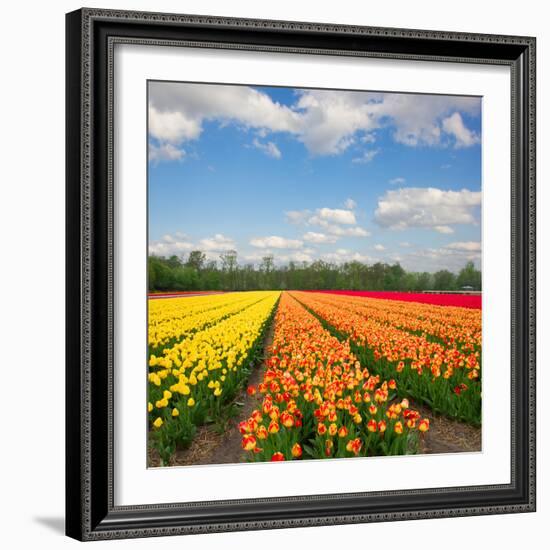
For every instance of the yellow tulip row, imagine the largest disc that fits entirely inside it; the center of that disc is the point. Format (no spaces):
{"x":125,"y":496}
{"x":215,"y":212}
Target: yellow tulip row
{"x":175,"y":318}
{"x":191,"y":380}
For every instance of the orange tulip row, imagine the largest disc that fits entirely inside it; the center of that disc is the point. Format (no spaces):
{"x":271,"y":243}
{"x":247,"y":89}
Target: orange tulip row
{"x":442,"y":375}
{"x":319,"y":401}
{"x":455,"y":326}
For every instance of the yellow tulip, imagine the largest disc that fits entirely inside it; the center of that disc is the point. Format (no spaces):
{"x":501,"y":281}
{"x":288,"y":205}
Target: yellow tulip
{"x":158,"y":422}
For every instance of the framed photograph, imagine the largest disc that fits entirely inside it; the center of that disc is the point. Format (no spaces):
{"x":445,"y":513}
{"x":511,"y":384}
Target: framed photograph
{"x":300,"y":274}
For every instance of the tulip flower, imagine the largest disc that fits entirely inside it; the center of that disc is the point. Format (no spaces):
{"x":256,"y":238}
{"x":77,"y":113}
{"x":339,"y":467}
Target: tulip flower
{"x":158,"y":422}
{"x":424,"y":425}
{"x":354,"y":446}
{"x":296,"y":450}
{"x":248,"y":442}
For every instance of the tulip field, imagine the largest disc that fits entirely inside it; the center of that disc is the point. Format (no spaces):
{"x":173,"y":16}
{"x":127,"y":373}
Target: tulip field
{"x":337,"y":374}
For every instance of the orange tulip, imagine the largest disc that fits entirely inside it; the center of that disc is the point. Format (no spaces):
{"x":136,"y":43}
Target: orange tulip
{"x":354,"y":446}
{"x":248,"y":443}
{"x":424,"y":425}
{"x":296,"y":450}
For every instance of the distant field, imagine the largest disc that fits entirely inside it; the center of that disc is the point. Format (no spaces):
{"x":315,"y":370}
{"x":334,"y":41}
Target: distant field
{"x":472,"y":301}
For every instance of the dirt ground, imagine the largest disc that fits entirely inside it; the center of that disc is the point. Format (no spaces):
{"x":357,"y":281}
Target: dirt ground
{"x":448,"y":436}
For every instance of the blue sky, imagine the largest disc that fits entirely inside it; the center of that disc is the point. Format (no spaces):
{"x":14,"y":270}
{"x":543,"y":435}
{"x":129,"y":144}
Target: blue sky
{"x":314,"y":174}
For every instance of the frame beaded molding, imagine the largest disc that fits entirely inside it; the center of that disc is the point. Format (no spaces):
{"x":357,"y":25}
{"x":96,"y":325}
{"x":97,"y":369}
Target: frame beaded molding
{"x":86,"y":214}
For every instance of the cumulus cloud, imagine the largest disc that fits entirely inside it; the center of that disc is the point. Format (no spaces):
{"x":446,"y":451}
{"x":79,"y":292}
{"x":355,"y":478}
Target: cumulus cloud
{"x":434,"y":259}
{"x":327,"y":122}
{"x":217,"y":243}
{"x":342,"y":255}
{"x":334,"y":221}
{"x":165,"y":151}
{"x":379,"y":247}
{"x":397,"y":181}
{"x":334,"y":215}
{"x":469,"y":246}
{"x":417,"y":118}
{"x":454,"y":126}
{"x":319,"y":238}
{"x":444,"y":229}
{"x":427,"y":207}
{"x":189,"y":105}
{"x":276,"y":242}
{"x":171,"y":245}
{"x":269,"y":148}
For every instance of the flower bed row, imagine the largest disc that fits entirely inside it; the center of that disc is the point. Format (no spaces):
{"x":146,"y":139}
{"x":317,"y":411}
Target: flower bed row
{"x":194,"y":380}
{"x":318,"y":401}
{"x":458,"y":300}
{"x":441,"y":376}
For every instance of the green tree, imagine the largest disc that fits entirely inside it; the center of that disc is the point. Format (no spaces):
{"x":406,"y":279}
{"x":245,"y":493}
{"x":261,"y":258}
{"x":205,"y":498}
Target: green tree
{"x":469,"y":276}
{"x":196,"y":260}
{"x":444,"y":280}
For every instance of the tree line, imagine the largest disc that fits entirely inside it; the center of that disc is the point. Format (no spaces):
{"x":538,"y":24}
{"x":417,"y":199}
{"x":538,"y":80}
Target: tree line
{"x":196,"y":272}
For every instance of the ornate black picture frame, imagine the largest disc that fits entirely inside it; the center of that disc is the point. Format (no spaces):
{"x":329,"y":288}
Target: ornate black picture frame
{"x":90,"y":510}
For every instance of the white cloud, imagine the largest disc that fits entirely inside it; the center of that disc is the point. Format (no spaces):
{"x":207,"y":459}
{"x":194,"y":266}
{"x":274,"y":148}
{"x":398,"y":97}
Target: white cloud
{"x":172,"y":126}
{"x":454,"y":126}
{"x":164,"y":151}
{"x":217,"y":243}
{"x":379,"y":247}
{"x":397,"y":181}
{"x":444,"y":229}
{"x":469,"y":246}
{"x":338,"y":230}
{"x":427,"y":207}
{"x":417,"y":118}
{"x":319,"y":238}
{"x":171,"y":245}
{"x":405,"y":244}
{"x":348,"y":231}
{"x":178,"y":110}
{"x":435,"y":259}
{"x":366,"y":157}
{"x":334,"y":215}
{"x":330,"y":119}
{"x":297,"y":217}
{"x":269,"y":148}
{"x":275,"y":242}
{"x":327,"y":122}
{"x":342,"y":255}
{"x":350,"y":204}
{"x":330,"y":220}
